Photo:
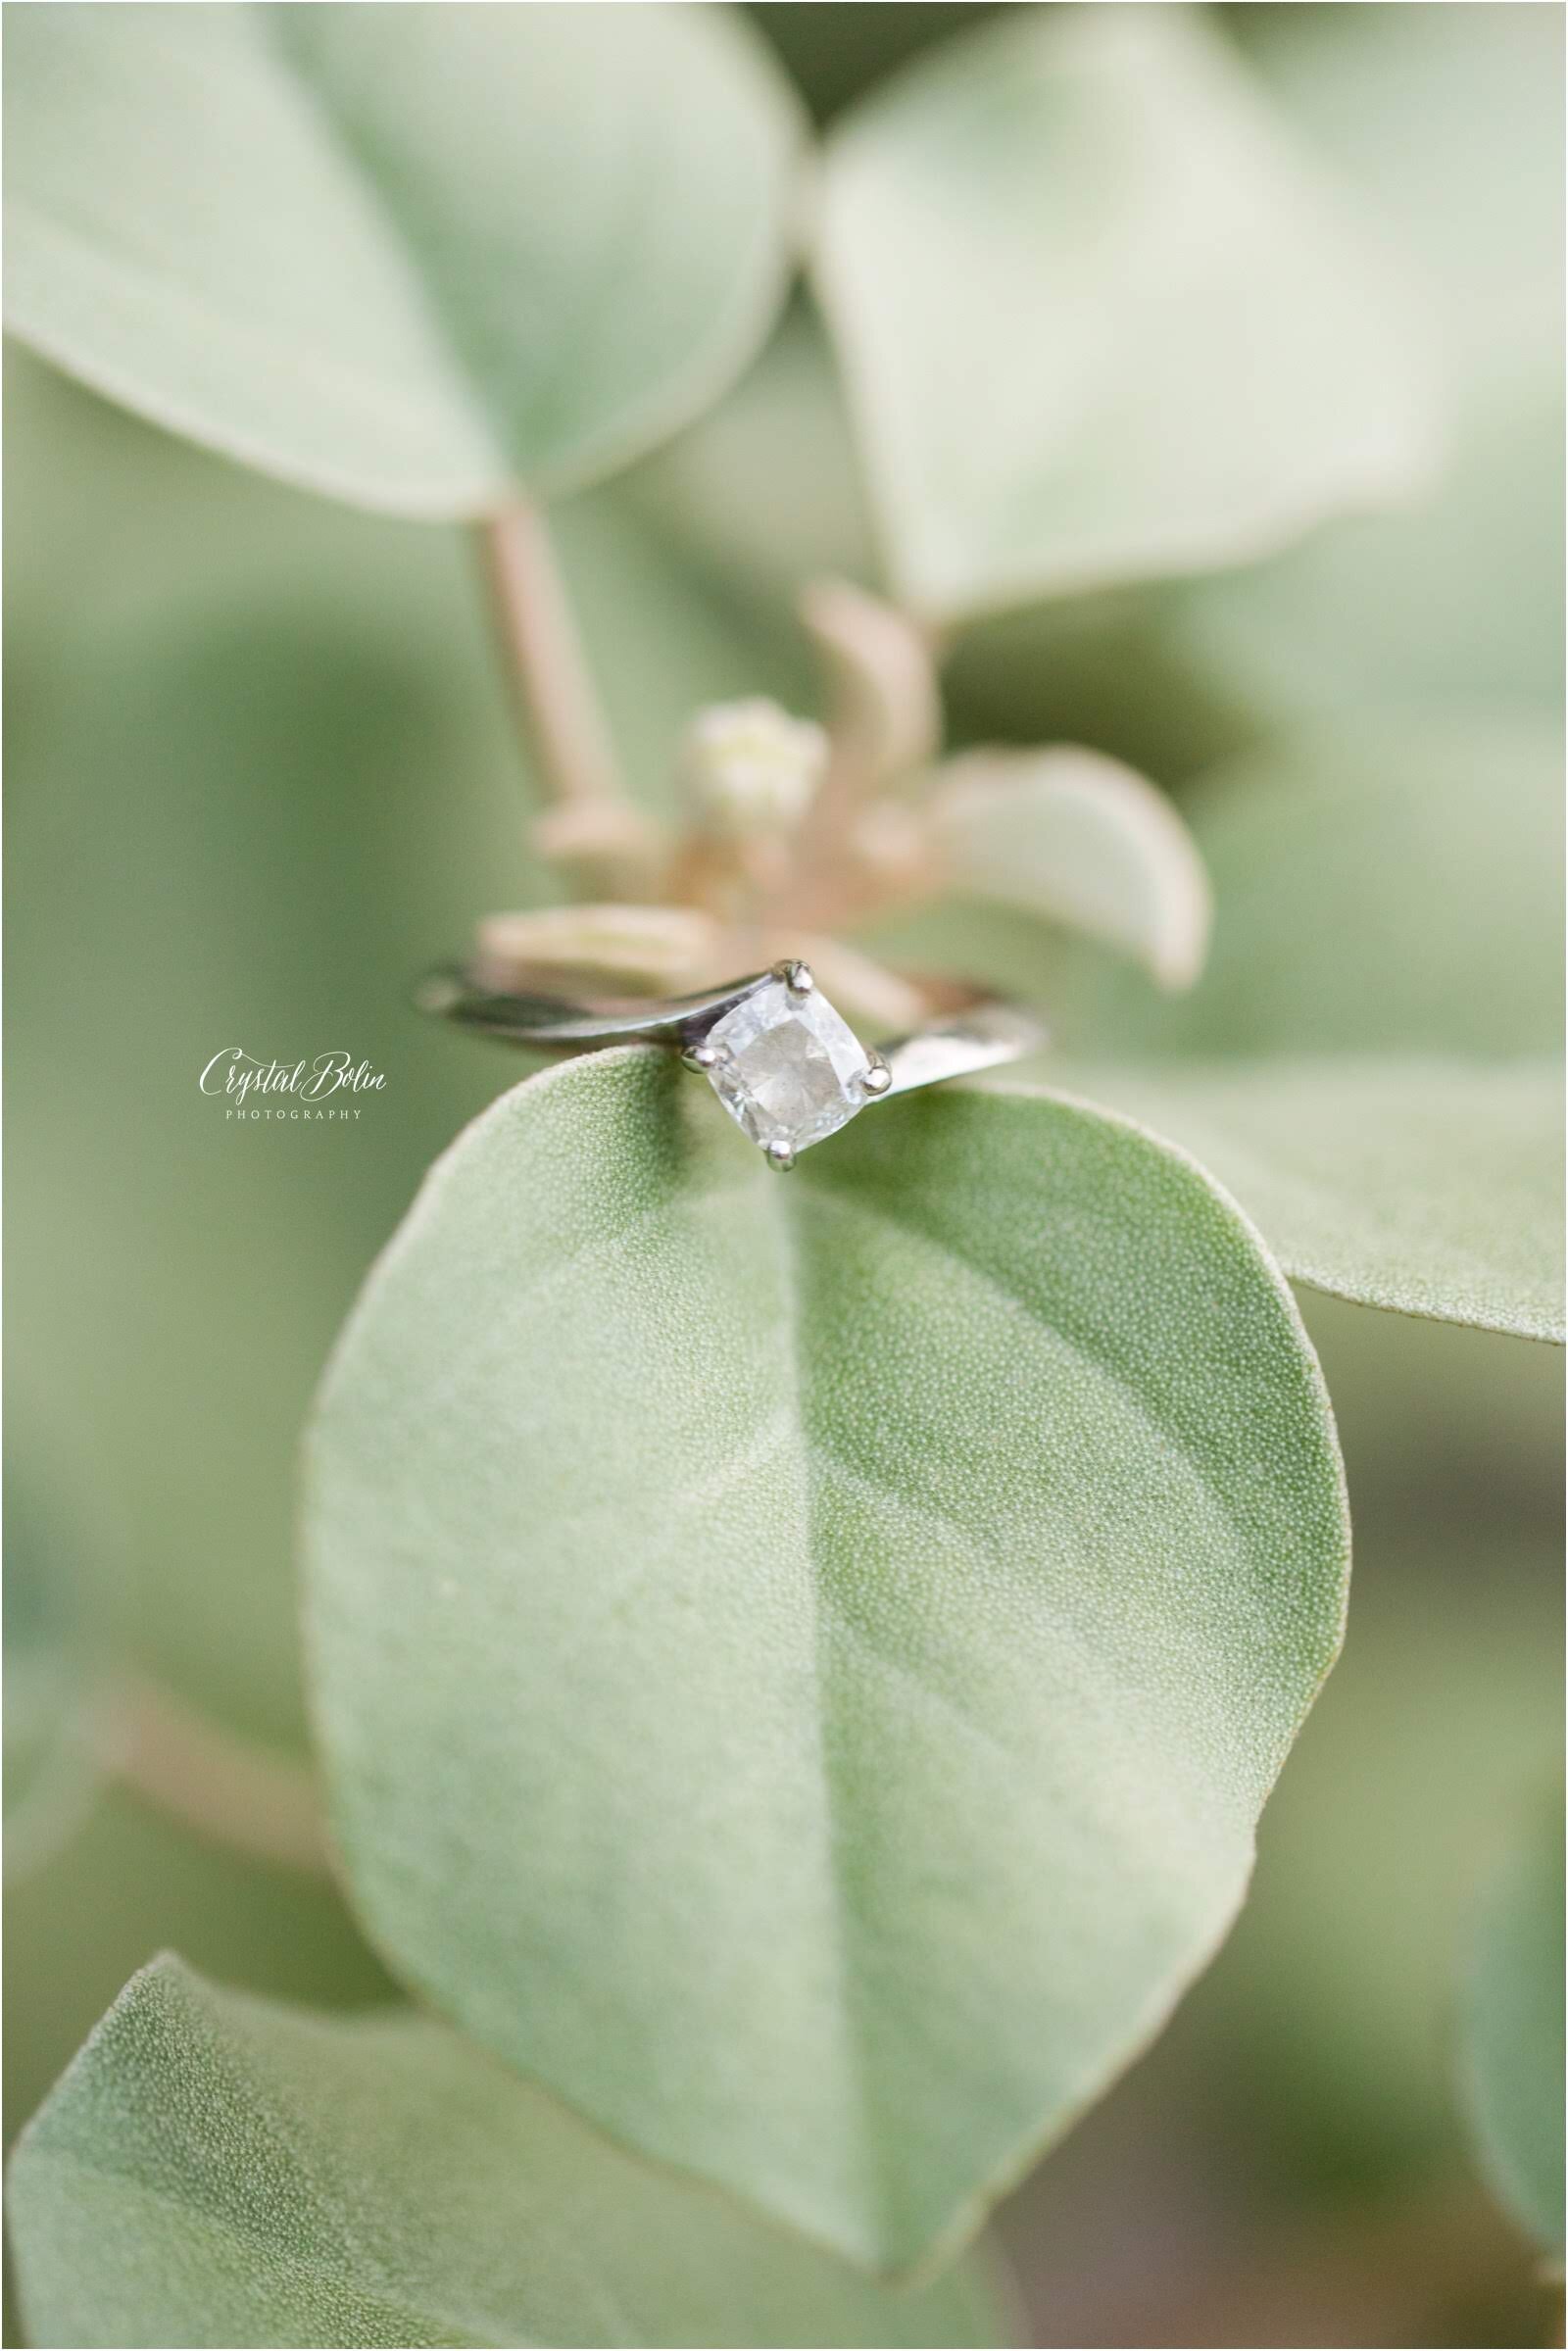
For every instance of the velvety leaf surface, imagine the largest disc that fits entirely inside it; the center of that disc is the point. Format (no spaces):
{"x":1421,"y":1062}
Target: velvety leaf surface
{"x":1515,"y":2031}
{"x":798,"y":1663}
{"x":1430,"y":1187}
{"x":410,"y":255}
{"x":218,"y":2169}
{"x":132,"y":1882}
{"x":1101,"y":318}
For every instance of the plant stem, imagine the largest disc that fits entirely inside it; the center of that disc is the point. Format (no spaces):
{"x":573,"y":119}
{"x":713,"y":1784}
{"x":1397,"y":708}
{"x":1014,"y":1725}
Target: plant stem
{"x":223,"y":1788}
{"x":548,"y":671}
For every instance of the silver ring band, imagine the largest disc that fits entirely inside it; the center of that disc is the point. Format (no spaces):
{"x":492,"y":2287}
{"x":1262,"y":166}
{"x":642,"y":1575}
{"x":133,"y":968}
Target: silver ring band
{"x":785,"y":1064}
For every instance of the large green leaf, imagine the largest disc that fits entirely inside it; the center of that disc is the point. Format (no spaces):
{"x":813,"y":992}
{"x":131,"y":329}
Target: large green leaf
{"x":217,"y":2168}
{"x":799,"y":1664}
{"x":1430,"y":1187}
{"x":1100,"y":320}
{"x":410,"y":255}
{"x":1515,"y":2031}
{"x":1447,"y":121}
{"x":766,"y":486}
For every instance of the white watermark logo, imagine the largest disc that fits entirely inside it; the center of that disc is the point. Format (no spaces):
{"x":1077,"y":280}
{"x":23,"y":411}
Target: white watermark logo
{"x":322,"y":1089}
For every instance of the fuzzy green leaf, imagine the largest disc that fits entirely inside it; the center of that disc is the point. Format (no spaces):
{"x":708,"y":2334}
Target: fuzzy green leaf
{"x":218,"y":2169}
{"x":799,"y":1664}
{"x":1082,"y":841}
{"x":414,"y":257}
{"x":1428,"y":1187}
{"x":1513,"y":2056}
{"x":1100,"y":320}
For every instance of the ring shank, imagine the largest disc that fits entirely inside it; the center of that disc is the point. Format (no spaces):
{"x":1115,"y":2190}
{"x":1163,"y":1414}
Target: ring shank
{"x":991,"y":1031}
{"x":980,"y":1032}
{"x":577,"y":1023}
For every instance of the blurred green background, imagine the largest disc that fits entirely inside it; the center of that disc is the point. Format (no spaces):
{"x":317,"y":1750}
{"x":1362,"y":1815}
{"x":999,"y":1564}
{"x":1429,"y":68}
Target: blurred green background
{"x":262,"y":770}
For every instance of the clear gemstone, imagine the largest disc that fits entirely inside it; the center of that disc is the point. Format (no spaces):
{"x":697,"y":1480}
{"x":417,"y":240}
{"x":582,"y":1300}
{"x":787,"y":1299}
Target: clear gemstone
{"x":789,"y":1070}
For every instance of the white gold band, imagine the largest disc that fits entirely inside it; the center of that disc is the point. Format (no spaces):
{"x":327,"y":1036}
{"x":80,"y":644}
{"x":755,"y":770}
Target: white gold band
{"x":785,"y":1064}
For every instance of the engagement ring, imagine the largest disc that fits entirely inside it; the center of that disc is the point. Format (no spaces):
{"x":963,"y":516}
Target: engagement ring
{"x":787,"y":1067}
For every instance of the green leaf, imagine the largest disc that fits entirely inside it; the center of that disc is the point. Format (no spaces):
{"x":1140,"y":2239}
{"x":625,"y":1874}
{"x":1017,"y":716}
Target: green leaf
{"x":799,"y":1665}
{"x":765,"y":487}
{"x":1389,"y":885}
{"x":132,"y":1881}
{"x":1084,"y":841}
{"x":410,"y":256}
{"x":1425,"y":1186}
{"x":1514,"y":2060}
{"x":218,"y":2169}
{"x":1100,"y":320}
{"x":1446,"y":122}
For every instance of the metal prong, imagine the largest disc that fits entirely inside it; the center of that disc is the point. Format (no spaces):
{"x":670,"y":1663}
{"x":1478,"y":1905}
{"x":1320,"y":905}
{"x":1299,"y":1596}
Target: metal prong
{"x":878,"y":1076}
{"x":700,"y":1058}
{"x":797,"y":977}
{"x":781,"y":1154}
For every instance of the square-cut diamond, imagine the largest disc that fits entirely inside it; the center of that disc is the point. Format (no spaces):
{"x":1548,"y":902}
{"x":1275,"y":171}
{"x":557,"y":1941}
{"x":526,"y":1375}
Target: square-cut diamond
{"x":788,"y":1069}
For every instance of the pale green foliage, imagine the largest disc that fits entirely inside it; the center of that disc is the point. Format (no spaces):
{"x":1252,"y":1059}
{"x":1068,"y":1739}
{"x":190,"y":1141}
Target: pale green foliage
{"x":217,"y":2168}
{"x":1514,"y":2019}
{"x":1427,"y":1186}
{"x":1446,"y":123}
{"x":1079,"y":839}
{"x":798,"y":1667}
{"x":798,"y":1663}
{"x":1391,"y":887}
{"x":1100,"y":318}
{"x":414,"y":257}
{"x":1367,"y":1059}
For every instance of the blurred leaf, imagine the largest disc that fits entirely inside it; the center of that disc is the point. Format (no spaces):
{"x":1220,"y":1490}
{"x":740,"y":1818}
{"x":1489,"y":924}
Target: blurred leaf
{"x":261,"y":774}
{"x":886,"y":712}
{"x":766,"y":486}
{"x":50,"y":1680}
{"x":411,"y":257}
{"x":1428,"y":1187}
{"x":798,"y":1667}
{"x":1514,"y":2060}
{"x":1100,"y":320}
{"x":1382,"y":887}
{"x":217,"y":2168}
{"x":1448,"y":122}
{"x":1084,"y":841}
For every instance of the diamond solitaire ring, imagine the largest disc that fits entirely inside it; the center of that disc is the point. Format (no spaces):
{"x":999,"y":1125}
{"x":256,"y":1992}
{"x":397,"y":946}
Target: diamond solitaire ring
{"x":787,"y":1067}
